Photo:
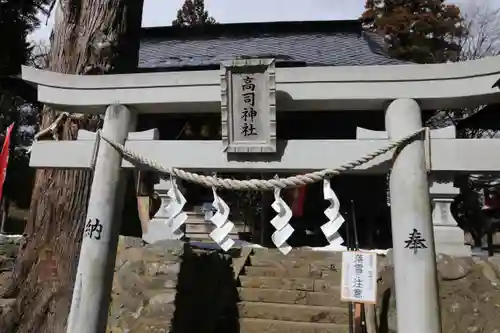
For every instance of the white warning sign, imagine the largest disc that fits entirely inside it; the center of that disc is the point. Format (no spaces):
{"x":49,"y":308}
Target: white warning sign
{"x":359,"y":277}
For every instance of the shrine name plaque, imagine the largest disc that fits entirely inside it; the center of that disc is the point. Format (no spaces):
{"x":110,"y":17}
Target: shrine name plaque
{"x":248,"y":106}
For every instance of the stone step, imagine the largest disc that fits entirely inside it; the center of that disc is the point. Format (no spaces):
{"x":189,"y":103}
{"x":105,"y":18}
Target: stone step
{"x":249,"y":325}
{"x":201,"y":221}
{"x":198,"y":237}
{"x":208,"y":228}
{"x":334,"y":257}
{"x":327,"y":286}
{"x":199,"y":230}
{"x":234,"y":253}
{"x":264,"y":261}
{"x":300,"y":272}
{"x":205,"y":237}
{"x":199,"y":218}
{"x":305,"y":284}
{"x":294,"y":312}
{"x":204,"y":231}
{"x":291,"y":296}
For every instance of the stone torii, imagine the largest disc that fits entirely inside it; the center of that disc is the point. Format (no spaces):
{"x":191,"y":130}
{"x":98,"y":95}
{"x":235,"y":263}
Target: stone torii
{"x":400,"y":92}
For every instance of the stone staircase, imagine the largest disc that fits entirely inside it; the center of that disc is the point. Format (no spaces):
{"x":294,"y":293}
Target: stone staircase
{"x":197,"y":229}
{"x":297,"y":293}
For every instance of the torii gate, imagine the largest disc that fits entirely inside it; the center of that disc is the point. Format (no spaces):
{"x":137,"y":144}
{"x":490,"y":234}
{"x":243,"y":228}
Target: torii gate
{"x":401,"y":91}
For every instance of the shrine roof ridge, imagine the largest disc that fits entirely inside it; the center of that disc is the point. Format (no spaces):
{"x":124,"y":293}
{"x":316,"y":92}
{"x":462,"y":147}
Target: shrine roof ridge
{"x":292,"y":44}
{"x":252,"y":29}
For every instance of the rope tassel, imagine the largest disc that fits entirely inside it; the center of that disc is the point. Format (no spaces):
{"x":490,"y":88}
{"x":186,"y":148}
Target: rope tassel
{"x":335,"y":220}
{"x":223,"y":226}
{"x":177,"y":217}
{"x":281,"y":222}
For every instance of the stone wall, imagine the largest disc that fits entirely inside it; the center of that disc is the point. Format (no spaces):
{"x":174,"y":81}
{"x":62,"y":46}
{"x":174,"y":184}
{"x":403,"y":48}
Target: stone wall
{"x":9,"y":246}
{"x":469,"y":290}
{"x":169,"y":287}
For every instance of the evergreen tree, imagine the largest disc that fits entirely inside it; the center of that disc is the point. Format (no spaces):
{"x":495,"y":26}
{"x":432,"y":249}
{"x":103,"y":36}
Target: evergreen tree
{"x":423,"y":31}
{"x":17,"y":100}
{"x":17,"y":20}
{"x":89,"y":37}
{"x":193,"y":13}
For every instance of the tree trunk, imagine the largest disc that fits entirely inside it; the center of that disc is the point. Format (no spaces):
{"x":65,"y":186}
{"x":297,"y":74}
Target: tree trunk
{"x":90,"y":37}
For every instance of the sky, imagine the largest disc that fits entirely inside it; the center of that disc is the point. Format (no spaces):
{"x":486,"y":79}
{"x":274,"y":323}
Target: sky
{"x":162,"y":12}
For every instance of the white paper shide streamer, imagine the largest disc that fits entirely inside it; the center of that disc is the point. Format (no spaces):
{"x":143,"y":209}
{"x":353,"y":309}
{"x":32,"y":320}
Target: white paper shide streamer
{"x":281,"y":222}
{"x":223,"y":226}
{"x":335,"y":220}
{"x":174,"y":211}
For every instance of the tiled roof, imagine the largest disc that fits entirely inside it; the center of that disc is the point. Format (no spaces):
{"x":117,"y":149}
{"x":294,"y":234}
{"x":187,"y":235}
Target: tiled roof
{"x":291,"y":43}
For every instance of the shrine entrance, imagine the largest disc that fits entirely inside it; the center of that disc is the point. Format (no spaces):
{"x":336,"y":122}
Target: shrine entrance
{"x":247,"y":94}
{"x":363,"y":201}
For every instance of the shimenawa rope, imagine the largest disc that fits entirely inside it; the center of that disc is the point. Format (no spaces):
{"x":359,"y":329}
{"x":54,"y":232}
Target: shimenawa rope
{"x":257,"y":184}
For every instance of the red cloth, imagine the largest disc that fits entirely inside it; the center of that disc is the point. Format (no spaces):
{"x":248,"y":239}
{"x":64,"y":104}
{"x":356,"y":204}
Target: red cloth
{"x":4,"y":158}
{"x":298,"y":202}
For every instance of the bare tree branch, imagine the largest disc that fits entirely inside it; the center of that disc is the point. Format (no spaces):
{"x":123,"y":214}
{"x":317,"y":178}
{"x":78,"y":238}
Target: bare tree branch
{"x":482,"y":20}
{"x":40,"y":54}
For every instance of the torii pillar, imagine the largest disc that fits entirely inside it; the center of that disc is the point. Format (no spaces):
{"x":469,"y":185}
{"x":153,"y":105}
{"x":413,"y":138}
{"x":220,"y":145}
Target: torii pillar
{"x":412,"y":231}
{"x":94,"y":277}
